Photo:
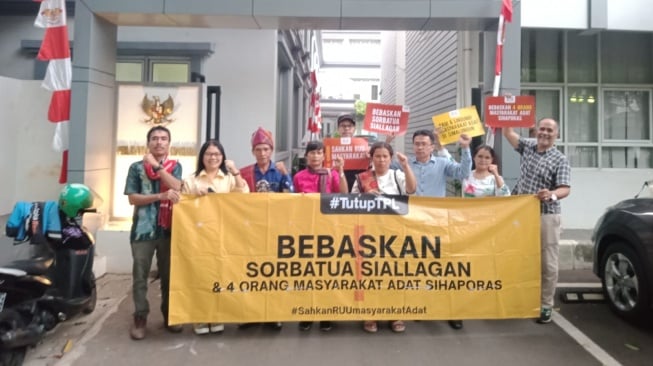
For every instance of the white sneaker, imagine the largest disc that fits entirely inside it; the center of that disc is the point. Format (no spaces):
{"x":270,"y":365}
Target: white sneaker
{"x":201,"y":328}
{"x":217,"y":328}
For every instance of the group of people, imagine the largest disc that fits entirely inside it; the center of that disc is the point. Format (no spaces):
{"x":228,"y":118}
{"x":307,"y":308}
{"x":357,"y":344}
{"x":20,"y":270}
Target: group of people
{"x":155,"y":184}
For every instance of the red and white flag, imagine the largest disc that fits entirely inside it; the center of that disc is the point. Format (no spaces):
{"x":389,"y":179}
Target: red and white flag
{"x":504,"y":16}
{"x":56,"y":49}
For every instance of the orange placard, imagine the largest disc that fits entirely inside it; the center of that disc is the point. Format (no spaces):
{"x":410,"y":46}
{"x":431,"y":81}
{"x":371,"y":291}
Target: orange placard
{"x":352,"y":149}
{"x":510,"y":111}
{"x":387,"y":119}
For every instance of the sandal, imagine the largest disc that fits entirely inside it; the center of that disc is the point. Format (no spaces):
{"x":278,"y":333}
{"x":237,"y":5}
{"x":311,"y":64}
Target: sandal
{"x":370,"y":326}
{"x":397,"y":326}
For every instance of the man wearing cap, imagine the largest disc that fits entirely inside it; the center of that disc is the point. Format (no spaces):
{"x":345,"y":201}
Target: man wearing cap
{"x":265,"y":176}
{"x":346,"y":128}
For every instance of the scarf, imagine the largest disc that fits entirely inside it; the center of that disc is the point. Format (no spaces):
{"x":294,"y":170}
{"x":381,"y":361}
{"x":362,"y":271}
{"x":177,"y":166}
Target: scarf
{"x":165,"y":206}
{"x":367,"y":181}
{"x":323,"y":175}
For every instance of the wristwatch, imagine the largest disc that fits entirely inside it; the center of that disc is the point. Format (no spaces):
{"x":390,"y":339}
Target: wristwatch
{"x":553,"y":197}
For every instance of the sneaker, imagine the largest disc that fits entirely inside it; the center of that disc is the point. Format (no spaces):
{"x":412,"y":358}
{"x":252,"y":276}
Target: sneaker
{"x":201,"y":328}
{"x":456,"y":324}
{"x":545,"y":316}
{"x":137,"y":330}
{"x":304,"y":326}
{"x":325,"y":326}
{"x":216,"y":328}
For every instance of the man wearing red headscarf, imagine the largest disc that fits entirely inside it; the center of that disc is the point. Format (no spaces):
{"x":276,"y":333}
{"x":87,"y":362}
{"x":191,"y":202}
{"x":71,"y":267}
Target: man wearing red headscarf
{"x":265,"y":176}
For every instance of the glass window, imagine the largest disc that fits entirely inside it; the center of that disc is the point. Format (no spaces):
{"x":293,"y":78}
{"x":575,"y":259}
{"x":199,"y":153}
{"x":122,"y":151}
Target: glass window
{"x":129,"y":71}
{"x":583,"y":156}
{"x":582,"y":117}
{"x":547,"y":104}
{"x":581,"y":58}
{"x":541,"y":56}
{"x":170,"y":72}
{"x":627,"y":157}
{"x":626,"y":57}
{"x":626,"y":115}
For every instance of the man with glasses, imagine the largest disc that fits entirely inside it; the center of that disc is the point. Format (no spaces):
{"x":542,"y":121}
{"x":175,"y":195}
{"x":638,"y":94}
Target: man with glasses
{"x":431,"y":171}
{"x":346,"y":128}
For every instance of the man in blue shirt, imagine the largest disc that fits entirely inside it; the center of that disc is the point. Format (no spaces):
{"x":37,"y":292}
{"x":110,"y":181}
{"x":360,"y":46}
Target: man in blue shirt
{"x":431,"y":171}
{"x":265,"y":176}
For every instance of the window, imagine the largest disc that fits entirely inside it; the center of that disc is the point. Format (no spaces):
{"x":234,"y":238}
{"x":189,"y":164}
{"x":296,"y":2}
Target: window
{"x":600,"y":87}
{"x":375,"y":92}
{"x":541,"y":56}
{"x":626,"y":115}
{"x":158,"y":70}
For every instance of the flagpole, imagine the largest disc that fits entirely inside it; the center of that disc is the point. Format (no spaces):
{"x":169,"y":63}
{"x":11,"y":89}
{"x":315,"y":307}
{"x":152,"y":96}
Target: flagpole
{"x":506,"y":9}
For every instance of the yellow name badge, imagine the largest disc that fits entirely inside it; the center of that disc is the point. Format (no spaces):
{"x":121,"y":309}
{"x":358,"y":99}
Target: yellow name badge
{"x":293,"y":257}
{"x":452,"y":124}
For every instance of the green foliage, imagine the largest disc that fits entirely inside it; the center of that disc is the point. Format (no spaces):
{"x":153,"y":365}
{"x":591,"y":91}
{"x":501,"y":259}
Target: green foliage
{"x":360,"y":108}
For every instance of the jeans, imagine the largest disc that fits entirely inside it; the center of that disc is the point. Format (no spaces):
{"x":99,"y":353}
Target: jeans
{"x":142,"y":253}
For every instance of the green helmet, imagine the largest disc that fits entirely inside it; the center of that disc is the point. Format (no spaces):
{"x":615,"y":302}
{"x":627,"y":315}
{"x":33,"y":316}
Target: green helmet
{"x":75,"y":197}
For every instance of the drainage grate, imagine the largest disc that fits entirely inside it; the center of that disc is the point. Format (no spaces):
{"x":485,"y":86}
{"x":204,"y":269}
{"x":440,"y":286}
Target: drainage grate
{"x":581,"y":295}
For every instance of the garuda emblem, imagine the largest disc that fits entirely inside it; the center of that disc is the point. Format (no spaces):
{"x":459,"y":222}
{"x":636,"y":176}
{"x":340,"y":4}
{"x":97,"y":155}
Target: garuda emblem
{"x":157,"y":111}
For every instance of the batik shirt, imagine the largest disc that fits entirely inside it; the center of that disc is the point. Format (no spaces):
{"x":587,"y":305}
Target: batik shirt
{"x":474,"y":187}
{"x":145,"y":219}
{"x":542,"y":170}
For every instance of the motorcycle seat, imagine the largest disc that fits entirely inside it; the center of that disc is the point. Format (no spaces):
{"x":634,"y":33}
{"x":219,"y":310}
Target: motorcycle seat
{"x":34,"y":266}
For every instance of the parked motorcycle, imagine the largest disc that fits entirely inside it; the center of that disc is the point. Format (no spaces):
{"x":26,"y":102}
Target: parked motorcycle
{"x":38,"y":293}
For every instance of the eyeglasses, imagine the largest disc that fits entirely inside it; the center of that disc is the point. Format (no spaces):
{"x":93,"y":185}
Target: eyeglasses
{"x":212,"y":155}
{"x":346,"y":125}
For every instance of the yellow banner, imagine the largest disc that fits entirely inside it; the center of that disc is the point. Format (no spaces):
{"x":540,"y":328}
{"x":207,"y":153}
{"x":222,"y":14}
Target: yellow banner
{"x":452,"y":124}
{"x":293,"y":257}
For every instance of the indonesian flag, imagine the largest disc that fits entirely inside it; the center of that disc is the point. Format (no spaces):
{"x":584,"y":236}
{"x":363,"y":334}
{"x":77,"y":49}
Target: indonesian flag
{"x":56,"y":49}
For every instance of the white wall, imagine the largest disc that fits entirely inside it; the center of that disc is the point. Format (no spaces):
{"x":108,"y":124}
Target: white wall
{"x":244,"y":65}
{"x":30,"y":166}
{"x":571,"y":14}
{"x":593,"y":190}
{"x":632,"y":15}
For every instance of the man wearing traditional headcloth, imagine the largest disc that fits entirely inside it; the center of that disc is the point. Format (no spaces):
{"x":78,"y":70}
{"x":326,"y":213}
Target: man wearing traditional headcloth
{"x":265,"y":175}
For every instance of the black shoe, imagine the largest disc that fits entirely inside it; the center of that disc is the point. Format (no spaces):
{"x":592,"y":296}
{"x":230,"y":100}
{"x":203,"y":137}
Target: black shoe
{"x":456,"y":324}
{"x":173,"y":328}
{"x":325,"y":326}
{"x":275,"y":325}
{"x":304,"y":326}
{"x":247,"y":325}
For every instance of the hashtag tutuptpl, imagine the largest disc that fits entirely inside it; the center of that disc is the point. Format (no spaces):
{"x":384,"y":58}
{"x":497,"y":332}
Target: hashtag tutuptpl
{"x":294,"y":311}
{"x":334,"y":203}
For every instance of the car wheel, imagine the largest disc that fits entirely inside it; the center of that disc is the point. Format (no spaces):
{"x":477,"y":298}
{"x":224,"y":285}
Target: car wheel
{"x":624,"y":283}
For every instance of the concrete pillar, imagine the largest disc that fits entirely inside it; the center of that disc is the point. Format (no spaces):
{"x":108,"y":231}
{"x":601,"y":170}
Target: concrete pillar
{"x":510,"y":84}
{"x":92,"y":120}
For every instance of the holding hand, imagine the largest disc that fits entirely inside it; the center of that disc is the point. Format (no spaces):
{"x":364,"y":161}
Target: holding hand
{"x":281,"y":167}
{"x":403,"y":160}
{"x":231,"y":167}
{"x":493,"y":169}
{"x":149,"y":159}
{"x":464,"y":140}
{"x":339,"y":164}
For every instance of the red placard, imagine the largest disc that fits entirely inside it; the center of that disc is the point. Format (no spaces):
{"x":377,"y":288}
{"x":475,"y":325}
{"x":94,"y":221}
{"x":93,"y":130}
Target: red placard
{"x":387,"y":119}
{"x":353,"y":149}
{"x":510,"y":111}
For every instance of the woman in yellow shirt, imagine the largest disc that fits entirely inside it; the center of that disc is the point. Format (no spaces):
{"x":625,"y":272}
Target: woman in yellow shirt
{"x":214,"y":174}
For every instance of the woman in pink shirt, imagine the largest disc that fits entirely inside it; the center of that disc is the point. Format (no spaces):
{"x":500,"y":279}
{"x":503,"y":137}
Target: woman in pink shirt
{"x":317,"y":179}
